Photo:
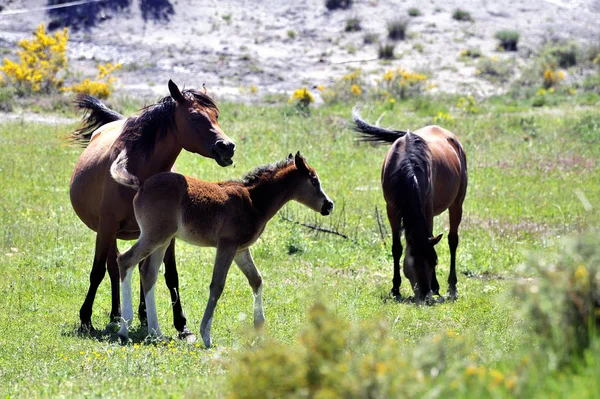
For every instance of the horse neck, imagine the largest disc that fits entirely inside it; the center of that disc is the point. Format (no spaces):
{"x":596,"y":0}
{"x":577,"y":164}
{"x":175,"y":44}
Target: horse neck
{"x":272,"y":193}
{"x":162,"y":158}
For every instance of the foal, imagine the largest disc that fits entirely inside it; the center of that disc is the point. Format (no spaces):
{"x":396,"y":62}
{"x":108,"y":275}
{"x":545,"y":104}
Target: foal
{"x":228,"y":215}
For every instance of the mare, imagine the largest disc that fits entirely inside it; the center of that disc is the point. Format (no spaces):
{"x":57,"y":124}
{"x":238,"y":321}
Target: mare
{"x":424,"y":173}
{"x":229,"y":215}
{"x":187,"y":120}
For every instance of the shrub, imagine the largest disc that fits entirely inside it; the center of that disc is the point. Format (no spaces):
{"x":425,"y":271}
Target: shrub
{"x":291,"y":34}
{"x":302,"y":98}
{"x":370,"y":38}
{"x":508,"y":39}
{"x":338,"y":4}
{"x":494,"y":70}
{"x":468,"y":105}
{"x":41,"y":60}
{"x":334,"y":359}
{"x":563,"y":54}
{"x":402,"y":84}
{"x":352,"y":25}
{"x":397,"y":28}
{"x":552,"y":77}
{"x":471,"y":53}
{"x":386,"y":51}
{"x":102,"y":87}
{"x":462,"y":15}
{"x":563,"y":304}
{"x":414,"y":12}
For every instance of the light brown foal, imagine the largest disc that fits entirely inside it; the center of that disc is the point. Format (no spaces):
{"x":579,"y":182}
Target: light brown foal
{"x":153,"y":140}
{"x":424,"y":173}
{"x":228,"y":215}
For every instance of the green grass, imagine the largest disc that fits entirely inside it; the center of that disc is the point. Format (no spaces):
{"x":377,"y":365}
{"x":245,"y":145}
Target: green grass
{"x":526,"y":168}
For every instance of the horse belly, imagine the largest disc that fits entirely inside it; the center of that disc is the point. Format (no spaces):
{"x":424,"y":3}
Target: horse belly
{"x":202,"y":236}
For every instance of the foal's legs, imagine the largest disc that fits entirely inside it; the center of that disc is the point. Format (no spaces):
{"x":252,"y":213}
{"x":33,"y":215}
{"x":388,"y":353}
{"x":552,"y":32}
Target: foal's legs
{"x":172,"y":281}
{"x":142,"y":316}
{"x":225,"y":254}
{"x":148,"y":276}
{"x":140,"y":250}
{"x":244,"y":261}
{"x":105,"y":238}
{"x":455,"y":211}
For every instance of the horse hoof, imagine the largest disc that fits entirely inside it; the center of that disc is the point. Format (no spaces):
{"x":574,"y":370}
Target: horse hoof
{"x":206,"y":340}
{"x":452,"y":295}
{"x":112,"y":327}
{"x":187,"y":335}
{"x":86,"y":329}
{"x":440,"y":299}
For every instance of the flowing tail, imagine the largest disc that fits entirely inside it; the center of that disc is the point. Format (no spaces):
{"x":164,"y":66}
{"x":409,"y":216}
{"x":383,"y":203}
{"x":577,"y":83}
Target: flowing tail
{"x":374,"y":134}
{"x":119,"y":172}
{"x":96,"y":114}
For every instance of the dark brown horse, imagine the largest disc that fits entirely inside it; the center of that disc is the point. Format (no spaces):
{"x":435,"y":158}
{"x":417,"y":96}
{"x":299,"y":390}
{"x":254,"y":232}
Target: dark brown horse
{"x":424,"y":173}
{"x":227,"y":215}
{"x":153,"y":140}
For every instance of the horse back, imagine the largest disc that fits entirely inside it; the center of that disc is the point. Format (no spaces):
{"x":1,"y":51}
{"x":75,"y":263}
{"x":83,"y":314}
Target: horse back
{"x":448,"y":166}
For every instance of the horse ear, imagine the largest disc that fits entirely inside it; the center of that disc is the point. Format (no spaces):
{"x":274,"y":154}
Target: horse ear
{"x":300,"y":162}
{"x":434,"y":240}
{"x":291,"y":156}
{"x":203,"y":88}
{"x":175,"y":93}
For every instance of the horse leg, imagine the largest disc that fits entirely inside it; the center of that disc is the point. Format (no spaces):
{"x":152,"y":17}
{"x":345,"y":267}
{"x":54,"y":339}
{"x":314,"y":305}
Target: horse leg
{"x":172,"y":281}
{"x":148,"y":276}
{"x":142,"y":316}
{"x":113,"y":273}
{"x":104,"y":239}
{"x":397,"y":254}
{"x":139,"y":251}
{"x":455,"y":211}
{"x":396,"y":250}
{"x":246,"y":264}
{"x":225,"y":255}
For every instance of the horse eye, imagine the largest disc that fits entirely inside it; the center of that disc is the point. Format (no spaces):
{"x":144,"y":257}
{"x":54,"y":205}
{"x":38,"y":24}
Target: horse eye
{"x":314,"y":181}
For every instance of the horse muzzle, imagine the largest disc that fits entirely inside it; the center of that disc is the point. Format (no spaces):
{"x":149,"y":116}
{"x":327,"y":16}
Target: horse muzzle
{"x":223,"y":151}
{"x":327,"y":207}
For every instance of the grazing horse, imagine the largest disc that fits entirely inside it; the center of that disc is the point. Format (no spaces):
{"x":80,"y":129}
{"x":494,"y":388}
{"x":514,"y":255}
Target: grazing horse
{"x":153,"y":140}
{"x":228,"y":215}
{"x":424,"y":173}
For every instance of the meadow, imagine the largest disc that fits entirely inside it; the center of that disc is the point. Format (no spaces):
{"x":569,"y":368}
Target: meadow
{"x":533,"y":180}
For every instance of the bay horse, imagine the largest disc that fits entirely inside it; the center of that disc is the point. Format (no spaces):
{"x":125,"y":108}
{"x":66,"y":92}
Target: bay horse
{"x":187,"y":120}
{"x":229,"y":215}
{"x":424,"y":173}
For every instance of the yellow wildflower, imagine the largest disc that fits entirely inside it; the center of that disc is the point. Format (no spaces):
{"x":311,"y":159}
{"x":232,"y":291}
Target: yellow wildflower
{"x":355,"y":89}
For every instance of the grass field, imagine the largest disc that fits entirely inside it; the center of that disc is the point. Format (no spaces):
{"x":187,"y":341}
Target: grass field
{"x":533,"y":179}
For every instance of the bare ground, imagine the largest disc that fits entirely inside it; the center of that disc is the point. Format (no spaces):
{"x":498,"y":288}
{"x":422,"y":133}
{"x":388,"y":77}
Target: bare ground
{"x":280,"y":45}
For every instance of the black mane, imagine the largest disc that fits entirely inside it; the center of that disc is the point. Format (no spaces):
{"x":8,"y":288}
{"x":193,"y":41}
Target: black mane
{"x":141,"y":133}
{"x":414,"y":164}
{"x":260,"y":172}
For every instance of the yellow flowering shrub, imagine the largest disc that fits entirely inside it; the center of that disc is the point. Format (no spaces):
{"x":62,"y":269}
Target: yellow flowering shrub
{"x":468,"y":105}
{"x":552,"y":77}
{"x":41,"y":61}
{"x":302,"y":98}
{"x":402,"y":83}
{"x":442,"y":118}
{"x":102,"y":87}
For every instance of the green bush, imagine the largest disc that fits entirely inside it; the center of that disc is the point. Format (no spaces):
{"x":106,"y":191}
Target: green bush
{"x":462,"y":15}
{"x":509,"y":39}
{"x":563,"y":303}
{"x":494,"y":69}
{"x":564,"y":54}
{"x":414,"y":12}
{"x":338,"y":4}
{"x":370,"y":38}
{"x":352,"y":25}
{"x":397,"y":28}
{"x":386,"y":51}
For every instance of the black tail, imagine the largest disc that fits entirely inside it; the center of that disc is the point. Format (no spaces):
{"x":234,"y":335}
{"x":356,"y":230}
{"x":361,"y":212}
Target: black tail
{"x":372,"y":133}
{"x":96,"y":114}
